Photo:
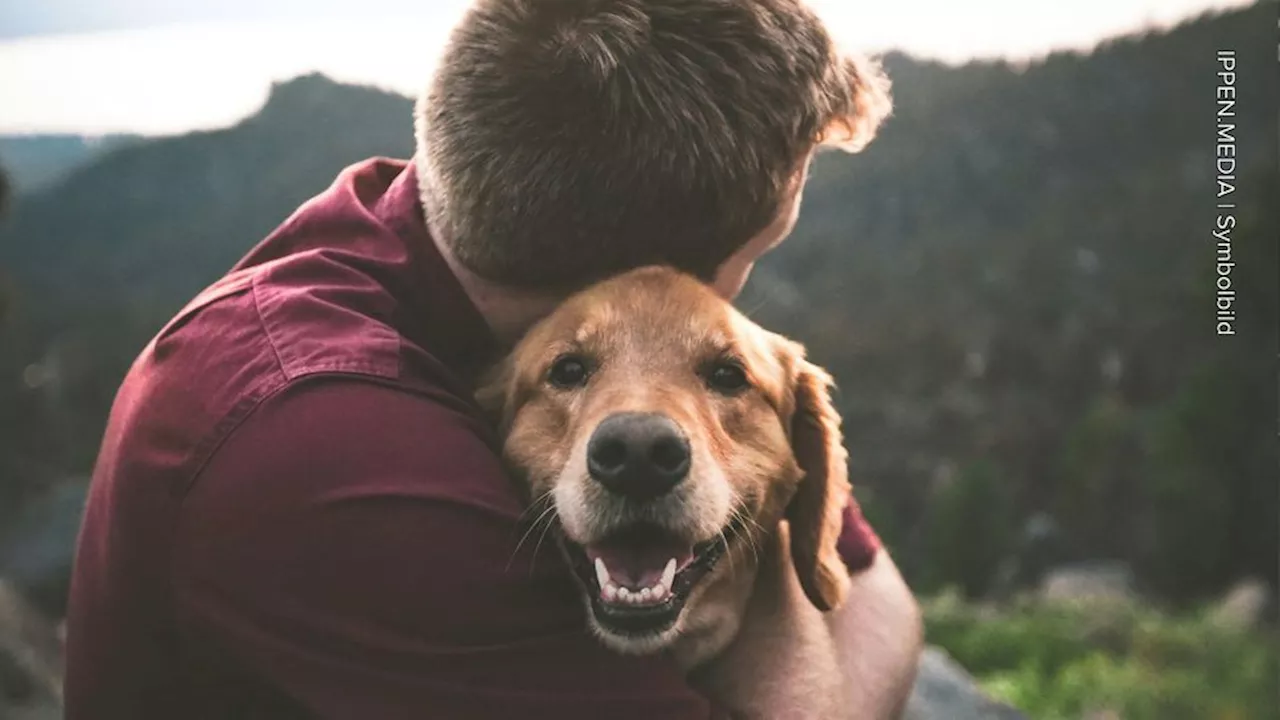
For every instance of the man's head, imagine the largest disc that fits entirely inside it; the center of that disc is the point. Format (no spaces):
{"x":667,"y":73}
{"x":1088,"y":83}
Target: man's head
{"x":565,"y":141}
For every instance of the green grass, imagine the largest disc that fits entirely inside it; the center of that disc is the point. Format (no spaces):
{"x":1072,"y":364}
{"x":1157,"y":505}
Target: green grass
{"x":1115,"y":660}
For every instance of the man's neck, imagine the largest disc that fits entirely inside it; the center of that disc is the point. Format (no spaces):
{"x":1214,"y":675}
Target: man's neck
{"x":508,"y":312}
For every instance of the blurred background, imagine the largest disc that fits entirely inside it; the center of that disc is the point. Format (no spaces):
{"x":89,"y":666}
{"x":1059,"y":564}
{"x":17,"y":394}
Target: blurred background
{"x":1013,"y":285}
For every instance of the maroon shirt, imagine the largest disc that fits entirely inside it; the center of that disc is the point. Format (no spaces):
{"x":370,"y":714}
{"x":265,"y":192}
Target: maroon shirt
{"x":298,"y":510}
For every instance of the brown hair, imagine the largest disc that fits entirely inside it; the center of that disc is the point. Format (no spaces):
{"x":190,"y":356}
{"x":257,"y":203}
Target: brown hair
{"x":563,"y":141}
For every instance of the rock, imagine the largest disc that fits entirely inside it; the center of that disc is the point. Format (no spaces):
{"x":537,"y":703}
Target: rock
{"x":31,"y":659}
{"x":1243,"y":606}
{"x":36,"y":711}
{"x":37,"y":551}
{"x":945,"y":691}
{"x":1101,"y":580}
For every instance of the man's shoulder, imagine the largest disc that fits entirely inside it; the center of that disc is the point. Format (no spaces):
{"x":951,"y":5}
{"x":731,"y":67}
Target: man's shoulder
{"x":247,"y":336}
{"x":206,"y":367}
{"x":250,"y":339}
{"x":345,"y":287}
{"x":341,"y":285}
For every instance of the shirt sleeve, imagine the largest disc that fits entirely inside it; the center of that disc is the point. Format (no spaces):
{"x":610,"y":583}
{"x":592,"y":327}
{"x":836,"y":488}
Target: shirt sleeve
{"x":354,"y":547}
{"x":858,"y":543}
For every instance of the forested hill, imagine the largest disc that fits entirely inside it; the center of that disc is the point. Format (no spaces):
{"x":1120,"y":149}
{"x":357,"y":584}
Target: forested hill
{"x":1013,"y":286}
{"x":43,"y":160}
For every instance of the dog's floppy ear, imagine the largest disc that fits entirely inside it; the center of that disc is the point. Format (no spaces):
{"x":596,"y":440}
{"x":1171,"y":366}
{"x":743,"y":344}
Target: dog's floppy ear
{"x":816,"y":511}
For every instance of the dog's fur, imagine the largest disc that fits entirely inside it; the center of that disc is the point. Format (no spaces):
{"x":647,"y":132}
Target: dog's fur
{"x":767,"y":455}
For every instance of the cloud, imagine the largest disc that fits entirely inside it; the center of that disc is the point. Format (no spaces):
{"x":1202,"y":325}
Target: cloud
{"x":210,"y":73}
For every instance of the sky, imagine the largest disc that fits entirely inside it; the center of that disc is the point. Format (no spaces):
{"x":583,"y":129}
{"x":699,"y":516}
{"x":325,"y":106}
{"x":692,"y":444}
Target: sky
{"x":168,"y":66}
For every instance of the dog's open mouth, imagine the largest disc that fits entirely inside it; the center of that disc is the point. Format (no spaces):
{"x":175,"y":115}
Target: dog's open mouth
{"x":639,"y":578}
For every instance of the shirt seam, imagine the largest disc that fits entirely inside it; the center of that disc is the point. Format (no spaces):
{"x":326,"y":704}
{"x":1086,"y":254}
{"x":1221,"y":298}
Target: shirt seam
{"x":266,"y":331}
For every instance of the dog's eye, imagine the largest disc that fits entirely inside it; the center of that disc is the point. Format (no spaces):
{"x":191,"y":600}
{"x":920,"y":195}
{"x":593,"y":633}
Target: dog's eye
{"x":727,"y":377}
{"x":568,"y":372}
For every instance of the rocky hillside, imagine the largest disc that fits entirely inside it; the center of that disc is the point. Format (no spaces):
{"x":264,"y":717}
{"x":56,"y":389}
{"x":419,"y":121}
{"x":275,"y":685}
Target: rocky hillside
{"x":1013,"y":285}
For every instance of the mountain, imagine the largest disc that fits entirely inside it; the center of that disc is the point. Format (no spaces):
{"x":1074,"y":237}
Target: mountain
{"x":96,"y":264}
{"x":1013,"y":286}
{"x":36,"y":162}
{"x":153,"y":220}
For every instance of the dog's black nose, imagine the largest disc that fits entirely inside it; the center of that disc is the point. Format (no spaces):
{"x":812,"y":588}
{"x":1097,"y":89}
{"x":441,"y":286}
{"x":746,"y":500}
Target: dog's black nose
{"x":638,"y":455}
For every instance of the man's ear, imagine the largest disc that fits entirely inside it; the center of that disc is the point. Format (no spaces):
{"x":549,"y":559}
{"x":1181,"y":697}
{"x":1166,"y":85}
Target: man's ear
{"x":817,"y":508}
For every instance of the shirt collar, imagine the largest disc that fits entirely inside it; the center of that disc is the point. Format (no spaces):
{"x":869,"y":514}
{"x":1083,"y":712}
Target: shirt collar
{"x":444,"y":320}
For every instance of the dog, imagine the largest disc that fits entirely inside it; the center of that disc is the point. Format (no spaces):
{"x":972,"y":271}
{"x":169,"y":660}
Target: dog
{"x":672,"y":441}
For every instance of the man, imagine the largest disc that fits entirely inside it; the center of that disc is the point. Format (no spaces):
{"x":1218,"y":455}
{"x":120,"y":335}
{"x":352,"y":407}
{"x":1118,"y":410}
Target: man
{"x":298,"y":510}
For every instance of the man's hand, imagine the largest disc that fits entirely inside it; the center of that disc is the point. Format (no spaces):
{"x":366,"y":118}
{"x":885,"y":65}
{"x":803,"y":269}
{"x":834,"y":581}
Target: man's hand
{"x":791,"y":661}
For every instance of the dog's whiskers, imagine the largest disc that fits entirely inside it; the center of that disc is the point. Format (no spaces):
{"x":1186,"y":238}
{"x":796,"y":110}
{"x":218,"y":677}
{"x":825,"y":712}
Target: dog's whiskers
{"x":543,"y":536}
{"x":742,"y":529}
{"x":760,"y":532}
{"x":550,"y":508}
{"x":725,"y":540}
{"x":544,"y":497}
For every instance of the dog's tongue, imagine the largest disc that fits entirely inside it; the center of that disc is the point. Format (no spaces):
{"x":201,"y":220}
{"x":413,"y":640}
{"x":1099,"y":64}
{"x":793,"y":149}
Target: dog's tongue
{"x":637,"y":558}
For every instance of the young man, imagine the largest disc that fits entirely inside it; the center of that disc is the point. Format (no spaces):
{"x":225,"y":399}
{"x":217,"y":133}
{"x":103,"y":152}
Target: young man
{"x":298,"y":510}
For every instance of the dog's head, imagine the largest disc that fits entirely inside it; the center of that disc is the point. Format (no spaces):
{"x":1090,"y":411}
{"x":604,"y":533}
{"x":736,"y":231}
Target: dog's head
{"x":664,"y":431}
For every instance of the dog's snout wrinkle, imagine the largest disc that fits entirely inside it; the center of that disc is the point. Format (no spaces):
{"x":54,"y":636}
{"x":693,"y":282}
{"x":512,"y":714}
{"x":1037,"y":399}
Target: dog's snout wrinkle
{"x":640,"y":456}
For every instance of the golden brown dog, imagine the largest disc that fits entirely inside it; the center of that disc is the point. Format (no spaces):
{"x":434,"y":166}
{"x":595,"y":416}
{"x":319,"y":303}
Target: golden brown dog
{"x":668,"y":437}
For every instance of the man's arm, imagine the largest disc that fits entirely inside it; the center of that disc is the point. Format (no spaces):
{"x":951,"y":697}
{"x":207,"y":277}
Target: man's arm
{"x":791,"y":661}
{"x":351,"y":547}
{"x":879,"y":629}
{"x":879,"y":634}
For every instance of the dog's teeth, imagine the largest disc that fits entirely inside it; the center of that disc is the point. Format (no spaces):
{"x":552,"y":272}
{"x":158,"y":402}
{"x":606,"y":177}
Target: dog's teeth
{"x":669,"y":574}
{"x":602,"y":573}
{"x":619,"y":594}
